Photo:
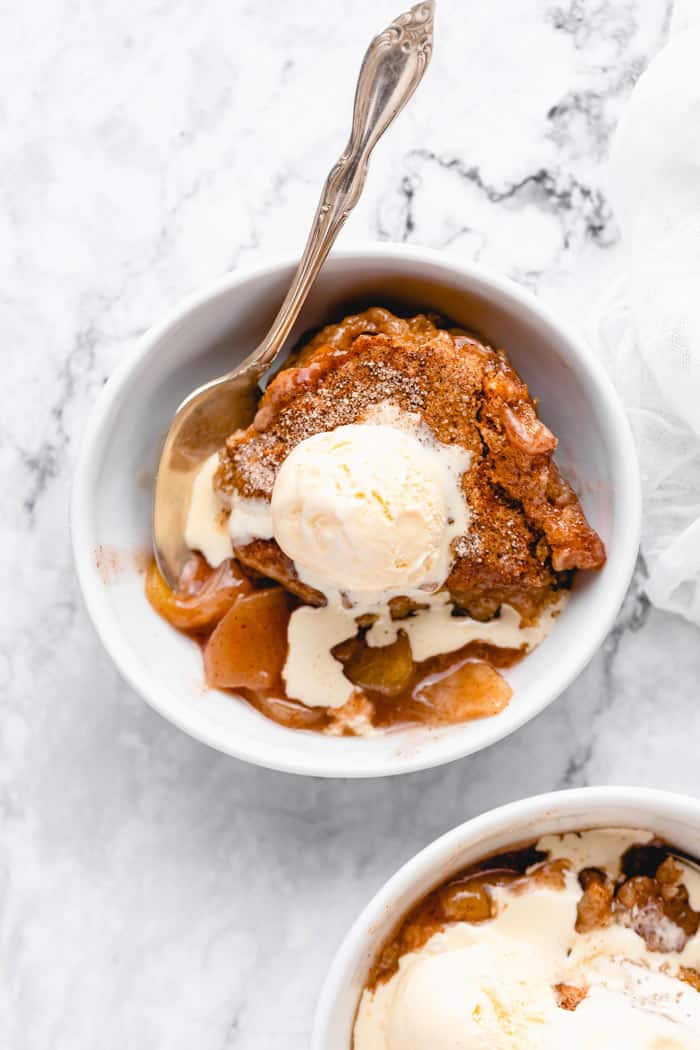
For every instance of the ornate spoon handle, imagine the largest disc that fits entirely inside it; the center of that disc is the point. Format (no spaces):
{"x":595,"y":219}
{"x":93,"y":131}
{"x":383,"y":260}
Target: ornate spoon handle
{"x":391,"y":71}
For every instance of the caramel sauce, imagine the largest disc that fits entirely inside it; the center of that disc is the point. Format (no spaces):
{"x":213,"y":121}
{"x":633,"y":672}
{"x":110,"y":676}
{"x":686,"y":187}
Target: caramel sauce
{"x":409,"y":707}
{"x":446,"y":689}
{"x":241,"y":625}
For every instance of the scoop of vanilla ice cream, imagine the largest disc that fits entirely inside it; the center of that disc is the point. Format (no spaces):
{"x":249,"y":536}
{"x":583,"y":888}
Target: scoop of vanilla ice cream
{"x":452,"y":1001}
{"x":475,"y":998}
{"x":367,"y":508}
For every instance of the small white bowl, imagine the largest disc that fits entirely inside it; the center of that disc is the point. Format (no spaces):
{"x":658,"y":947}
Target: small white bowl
{"x":674,"y":817}
{"x":205,"y":337}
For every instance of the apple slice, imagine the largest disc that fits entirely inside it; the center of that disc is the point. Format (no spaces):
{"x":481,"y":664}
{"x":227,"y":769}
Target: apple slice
{"x":386,"y":669}
{"x":248,"y":648}
{"x":474,"y":689}
{"x":203,"y":597}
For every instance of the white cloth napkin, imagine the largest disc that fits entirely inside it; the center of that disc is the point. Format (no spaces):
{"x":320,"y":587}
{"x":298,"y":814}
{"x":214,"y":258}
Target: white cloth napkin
{"x":648,"y":328}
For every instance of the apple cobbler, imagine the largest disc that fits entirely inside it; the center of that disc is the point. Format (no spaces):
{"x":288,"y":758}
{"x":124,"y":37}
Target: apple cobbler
{"x":386,"y":538}
{"x":579,"y":940}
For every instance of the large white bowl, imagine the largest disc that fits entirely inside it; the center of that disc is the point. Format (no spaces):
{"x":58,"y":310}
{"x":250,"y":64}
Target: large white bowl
{"x":207,"y":335}
{"x":674,"y":817}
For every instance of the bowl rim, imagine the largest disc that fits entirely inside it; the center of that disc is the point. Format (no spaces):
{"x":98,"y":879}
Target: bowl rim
{"x":598,"y":801}
{"x":618,"y":570}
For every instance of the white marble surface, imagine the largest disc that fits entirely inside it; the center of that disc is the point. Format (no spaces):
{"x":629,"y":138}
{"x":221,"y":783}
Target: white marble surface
{"x":153,"y":893}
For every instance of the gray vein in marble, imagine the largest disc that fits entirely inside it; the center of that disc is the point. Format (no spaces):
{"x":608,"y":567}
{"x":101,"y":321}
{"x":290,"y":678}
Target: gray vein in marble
{"x":631,"y":618}
{"x":585,"y":22}
{"x":590,"y":107}
{"x":45,"y":462}
{"x":550,"y":190}
{"x":580,"y":211}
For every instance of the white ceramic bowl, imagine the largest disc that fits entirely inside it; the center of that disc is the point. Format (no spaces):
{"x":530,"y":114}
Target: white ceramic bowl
{"x":674,"y":817}
{"x":206,"y":336}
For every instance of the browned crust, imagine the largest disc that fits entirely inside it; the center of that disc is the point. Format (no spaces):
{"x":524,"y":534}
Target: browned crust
{"x":527,"y":528}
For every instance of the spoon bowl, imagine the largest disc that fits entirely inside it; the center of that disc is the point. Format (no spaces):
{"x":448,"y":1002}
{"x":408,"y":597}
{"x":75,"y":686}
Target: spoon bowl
{"x":201,"y":425}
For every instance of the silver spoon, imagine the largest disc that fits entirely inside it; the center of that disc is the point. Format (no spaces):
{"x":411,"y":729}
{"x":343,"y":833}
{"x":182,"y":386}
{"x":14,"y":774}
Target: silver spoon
{"x":391,"y":71}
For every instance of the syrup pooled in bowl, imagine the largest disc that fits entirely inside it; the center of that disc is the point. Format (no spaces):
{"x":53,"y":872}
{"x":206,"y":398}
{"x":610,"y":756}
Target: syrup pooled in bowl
{"x":241,"y":626}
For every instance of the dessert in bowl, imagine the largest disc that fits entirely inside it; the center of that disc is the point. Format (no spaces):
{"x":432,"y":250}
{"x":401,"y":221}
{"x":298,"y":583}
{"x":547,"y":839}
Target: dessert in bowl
{"x":373,"y":557}
{"x":388,"y":533}
{"x":566,"y":920}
